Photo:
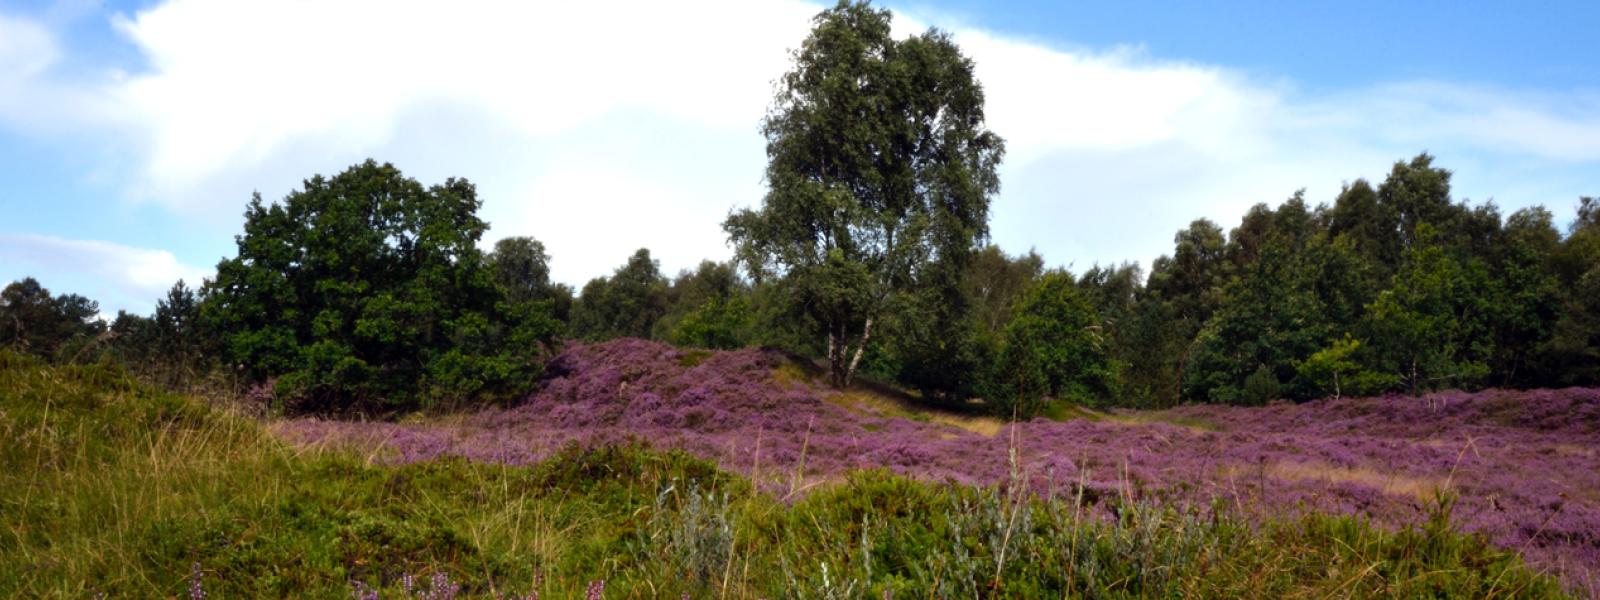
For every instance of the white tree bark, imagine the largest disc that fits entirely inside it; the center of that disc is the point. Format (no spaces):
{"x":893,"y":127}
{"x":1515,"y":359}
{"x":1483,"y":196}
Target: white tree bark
{"x":866,"y":333}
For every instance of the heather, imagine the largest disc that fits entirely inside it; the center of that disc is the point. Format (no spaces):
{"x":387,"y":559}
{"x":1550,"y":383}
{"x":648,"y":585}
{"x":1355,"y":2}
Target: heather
{"x":864,"y":398}
{"x":109,"y":488}
{"x":1521,"y":466}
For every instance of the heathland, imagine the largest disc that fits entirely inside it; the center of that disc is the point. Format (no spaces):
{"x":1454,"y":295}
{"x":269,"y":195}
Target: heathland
{"x":1391,"y":392}
{"x":639,"y":470}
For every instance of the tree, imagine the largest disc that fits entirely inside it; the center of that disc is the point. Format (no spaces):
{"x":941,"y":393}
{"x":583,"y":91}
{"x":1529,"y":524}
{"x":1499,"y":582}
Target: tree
{"x":1336,"y":369}
{"x":177,"y":335}
{"x":1414,"y":194}
{"x":939,"y":343}
{"x":708,"y":308}
{"x":1190,"y":285}
{"x":1357,"y":215}
{"x":627,"y":304}
{"x":1054,"y":347}
{"x":1572,"y":355}
{"x":1270,"y":319}
{"x":997,"y":280}
{"x":31,"y":320}
{"x":1528,"y":302}
{"x":522,"y":270}
{"x":1432,"y":326}
{"x":367,"y":290}
{"x":879,"y":164}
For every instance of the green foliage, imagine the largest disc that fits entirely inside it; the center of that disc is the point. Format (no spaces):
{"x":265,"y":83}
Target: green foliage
{"x":708,"y":307}
{"x":177,"y":329}
{"x":879,"y":163}
{"x":1572,"y":355}
{"x":995,"y":281}
{"x":1183,"y":291}
{"x":522,"y":271}
{"x":1260,"y":387}
{"x":1055,"y":347}
{"x":938,"y":343}
{"x":627,"y":304}
{"x":1271,"y":316}
{"x":1415,"y":194}
{"x":1527,"y":306}
{"x":366,"y":290}
{"x":1431,"y":327}
{"x":1335,"y":371}
{"x":1438,"y":294}
{"x":31,"y":320}
{"x":719,"y":323}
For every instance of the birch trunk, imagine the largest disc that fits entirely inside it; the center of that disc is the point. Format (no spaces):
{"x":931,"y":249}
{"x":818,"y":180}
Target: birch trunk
{"x":866,"y":333}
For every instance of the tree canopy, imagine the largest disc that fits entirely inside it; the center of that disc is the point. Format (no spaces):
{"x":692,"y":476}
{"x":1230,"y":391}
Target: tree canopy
{"x":626,"y":304}
{"x":367,"y":290}
{"x":32,"y":320}
{"x":1055,"y":347}
{"x":879,"y":166}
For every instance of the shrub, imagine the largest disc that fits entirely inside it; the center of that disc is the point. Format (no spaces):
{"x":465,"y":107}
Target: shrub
{"x":1260,"y":387}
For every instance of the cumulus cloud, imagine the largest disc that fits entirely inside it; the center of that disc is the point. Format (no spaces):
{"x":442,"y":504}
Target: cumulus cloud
{"x":233,"y":85}
{"x":120,"y":277}
{"x":604,"y":127}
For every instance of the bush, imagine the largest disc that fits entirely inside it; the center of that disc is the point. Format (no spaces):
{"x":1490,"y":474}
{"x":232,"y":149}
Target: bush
{"x":1260,"y":387}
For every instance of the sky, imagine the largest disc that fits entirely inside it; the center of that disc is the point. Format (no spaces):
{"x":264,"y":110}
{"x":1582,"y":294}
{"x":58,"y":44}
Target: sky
{"x":132,"y":134}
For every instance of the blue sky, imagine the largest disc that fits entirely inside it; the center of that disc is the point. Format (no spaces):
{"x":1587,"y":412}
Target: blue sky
{"x":132,"y":134}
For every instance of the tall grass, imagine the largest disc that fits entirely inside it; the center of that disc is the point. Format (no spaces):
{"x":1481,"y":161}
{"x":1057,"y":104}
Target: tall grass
{"x":110,"y":488}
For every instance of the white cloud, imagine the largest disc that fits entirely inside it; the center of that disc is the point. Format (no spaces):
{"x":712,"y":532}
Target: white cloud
{"x":120,"y":277}
{"x":232,"y":85}
{"x":1110,"y":153}
{"x":604,"y":127}
{"x":26,"y":48}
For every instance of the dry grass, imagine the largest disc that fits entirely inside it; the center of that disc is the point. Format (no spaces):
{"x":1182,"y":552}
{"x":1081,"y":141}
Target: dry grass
{"x":873,"y":404}
{"x":1193,"y":424}
{"x":874,"y":399}
{"x":1394,"y":484}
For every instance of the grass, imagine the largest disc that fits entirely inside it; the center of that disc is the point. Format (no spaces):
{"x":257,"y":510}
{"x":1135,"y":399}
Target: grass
{"x":1394,"y":484}
{"x":1145,"y":417}
{"x":872,"y":403}
{"x":110,"y":488}
{"x":878,"y":399}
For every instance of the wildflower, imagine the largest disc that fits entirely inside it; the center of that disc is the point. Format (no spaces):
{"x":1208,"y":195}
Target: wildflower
{"x":196,"y":591}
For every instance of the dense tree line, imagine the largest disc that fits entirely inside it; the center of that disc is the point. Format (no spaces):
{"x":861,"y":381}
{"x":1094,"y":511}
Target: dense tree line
{"x":1394,"y":287}
{"x":367,"y":290}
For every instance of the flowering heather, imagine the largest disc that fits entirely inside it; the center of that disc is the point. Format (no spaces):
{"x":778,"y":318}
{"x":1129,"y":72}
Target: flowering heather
{"x":1524,"y":464}
{"x":197,"y":590}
